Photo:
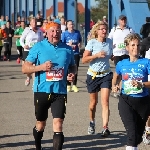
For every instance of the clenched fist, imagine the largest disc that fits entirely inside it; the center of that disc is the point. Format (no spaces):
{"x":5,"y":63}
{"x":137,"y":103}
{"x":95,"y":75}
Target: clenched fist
{"x":101,"y":54}
{"x":46,"y":66}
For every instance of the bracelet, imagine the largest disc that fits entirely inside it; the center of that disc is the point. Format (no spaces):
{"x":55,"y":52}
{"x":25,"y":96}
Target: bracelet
{"x":142,"y":84}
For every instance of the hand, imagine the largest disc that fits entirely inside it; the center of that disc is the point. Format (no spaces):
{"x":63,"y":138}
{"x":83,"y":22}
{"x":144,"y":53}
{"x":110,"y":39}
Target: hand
{"x":136,"y":84}
{"x":112,"y":57}
{"x":10,"y":35}
{"x":101,"y":54}
{"x":26,"y":47}
{"x":115,"y":88}
{"x":70,"y":77}
{"x":46,"y":66}
{"x":114,"y":46}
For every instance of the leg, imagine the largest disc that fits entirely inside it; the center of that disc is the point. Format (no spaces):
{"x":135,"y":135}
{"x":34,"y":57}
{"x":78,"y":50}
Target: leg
{"x":42,"y":103}
{"x":105,"y":92}
{"x":58,"y":137}
{"x":129,"y":119}
{"x":0,"y":51}
{"x":9,"y":50}
{"x":92,"y":105}
{"x":58,"y":101}
{"x":74,"y":87}
{"x":5,"y":51}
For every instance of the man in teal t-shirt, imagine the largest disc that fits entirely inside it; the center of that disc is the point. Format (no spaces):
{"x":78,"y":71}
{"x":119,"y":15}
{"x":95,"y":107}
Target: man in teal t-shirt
{"x":17,"y":34}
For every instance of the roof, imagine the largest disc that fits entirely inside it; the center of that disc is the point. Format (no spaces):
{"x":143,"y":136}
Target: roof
{"x":49,"y":12}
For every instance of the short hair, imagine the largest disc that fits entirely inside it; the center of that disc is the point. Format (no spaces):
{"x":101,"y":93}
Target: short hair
{"x":147,"y":19}
{"x":130,"y":37}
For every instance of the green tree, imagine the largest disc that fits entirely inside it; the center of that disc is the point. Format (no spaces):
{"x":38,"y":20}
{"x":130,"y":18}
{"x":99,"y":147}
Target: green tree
{"x":97,"y":12}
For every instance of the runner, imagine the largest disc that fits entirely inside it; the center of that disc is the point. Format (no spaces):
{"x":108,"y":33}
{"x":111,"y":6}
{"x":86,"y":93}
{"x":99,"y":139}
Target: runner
{"x":72,"y":38}
{"x":99,"y":76}
{"x":52,"y":61}
{"x":118,"y":34}
{"x":17,"y":34}
{"x":30,"y":36}
{"x":134,"y":103}
{"x":2,"y":37}
{"x":8,"y":41}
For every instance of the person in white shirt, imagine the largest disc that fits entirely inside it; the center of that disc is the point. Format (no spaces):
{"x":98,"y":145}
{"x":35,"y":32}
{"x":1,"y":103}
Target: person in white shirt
{"x":117,"y":34}
{"x":63,"y":26}
{"x":29,"y":37}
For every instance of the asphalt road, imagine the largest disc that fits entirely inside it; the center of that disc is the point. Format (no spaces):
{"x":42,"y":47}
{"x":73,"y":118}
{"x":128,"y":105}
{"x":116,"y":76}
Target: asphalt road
{"x":17,"y":116}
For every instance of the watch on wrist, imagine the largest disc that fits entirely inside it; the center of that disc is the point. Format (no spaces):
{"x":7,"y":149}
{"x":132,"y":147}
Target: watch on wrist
{"x":142,"y":85}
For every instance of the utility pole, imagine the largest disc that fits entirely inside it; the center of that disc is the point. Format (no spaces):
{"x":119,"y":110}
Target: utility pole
{"x":76,"y":14}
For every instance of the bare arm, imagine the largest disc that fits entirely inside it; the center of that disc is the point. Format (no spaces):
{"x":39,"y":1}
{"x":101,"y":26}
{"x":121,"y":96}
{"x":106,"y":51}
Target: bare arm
{"x":88,"y":57}
{"x":17,"y":36}
{"x":116,"y":82}
{"x":28,"y":67}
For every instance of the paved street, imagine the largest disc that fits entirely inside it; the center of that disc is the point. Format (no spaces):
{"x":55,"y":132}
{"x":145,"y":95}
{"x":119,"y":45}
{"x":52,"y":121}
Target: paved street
{"x":17,"y":116}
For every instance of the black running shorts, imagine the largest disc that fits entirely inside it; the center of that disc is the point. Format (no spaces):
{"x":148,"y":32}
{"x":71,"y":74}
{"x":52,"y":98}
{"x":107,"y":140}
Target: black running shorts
{"x":43,"y":101}
{"x":94,"y":85}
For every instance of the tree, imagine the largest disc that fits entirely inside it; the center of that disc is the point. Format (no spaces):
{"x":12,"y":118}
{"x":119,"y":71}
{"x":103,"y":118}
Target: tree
{"x":97,"y":12}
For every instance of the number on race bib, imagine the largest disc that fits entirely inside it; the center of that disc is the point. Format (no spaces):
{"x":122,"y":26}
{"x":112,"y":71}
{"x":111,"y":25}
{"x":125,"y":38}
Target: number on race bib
{"x":56,"y":74}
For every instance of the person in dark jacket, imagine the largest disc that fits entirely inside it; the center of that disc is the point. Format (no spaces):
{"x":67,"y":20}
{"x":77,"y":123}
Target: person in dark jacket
{"x":145,"y":29}
{"x":144,"y":46}
{"x":8,"y":41}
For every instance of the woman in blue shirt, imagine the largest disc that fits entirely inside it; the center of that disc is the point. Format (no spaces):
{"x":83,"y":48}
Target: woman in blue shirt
{"x":72,"y":38}
{"x":134,"y":103}
{"x":99,"y":76}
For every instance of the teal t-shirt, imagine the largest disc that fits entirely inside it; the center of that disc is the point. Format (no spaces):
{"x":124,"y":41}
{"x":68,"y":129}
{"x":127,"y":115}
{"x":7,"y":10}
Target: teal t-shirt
{"x":18,"y":32}
{"x":61,"y":57}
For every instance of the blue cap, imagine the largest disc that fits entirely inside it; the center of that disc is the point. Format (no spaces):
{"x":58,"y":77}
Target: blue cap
{"x":57,"y":21}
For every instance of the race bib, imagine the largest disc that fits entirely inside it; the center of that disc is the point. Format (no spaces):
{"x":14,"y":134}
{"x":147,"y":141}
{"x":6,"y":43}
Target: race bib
{"x":121,"y":46}
{"x":31,"y":44}
{"x":129,"y":89}
{"x":56,"y":74}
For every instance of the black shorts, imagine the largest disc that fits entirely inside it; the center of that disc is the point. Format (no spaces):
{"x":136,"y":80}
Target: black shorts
{"x":43,"y":101}
{"x":94,"y":85}
{"x":25,"y":54}
{"x":120,"y":58}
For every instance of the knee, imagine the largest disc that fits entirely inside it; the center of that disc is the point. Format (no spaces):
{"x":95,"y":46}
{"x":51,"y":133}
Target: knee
{"x":93,"y":103}
{"x":57,"y":124}
{"x":40,"y":125}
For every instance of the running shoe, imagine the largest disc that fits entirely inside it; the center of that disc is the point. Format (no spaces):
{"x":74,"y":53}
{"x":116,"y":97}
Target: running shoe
{"x":105,"y":132}
{"x":74,"y":88}
{"x":91,"y":128}
{"x":146,"y":138}
{"x":18,"y":61}
{"x":68,"y":88}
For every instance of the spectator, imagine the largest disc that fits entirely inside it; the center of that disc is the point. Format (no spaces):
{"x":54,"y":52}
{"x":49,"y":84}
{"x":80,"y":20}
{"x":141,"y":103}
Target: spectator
{"x":39,"y":20}
{"x":145,"y":29}
{"x":91,"y":23}
{"x":2,"y":22}
{"x":63,"y":25}
{"x":105,"y":19}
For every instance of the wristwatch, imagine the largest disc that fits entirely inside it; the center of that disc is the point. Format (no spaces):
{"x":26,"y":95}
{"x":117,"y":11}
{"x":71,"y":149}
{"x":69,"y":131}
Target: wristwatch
{"x":142,"y":84}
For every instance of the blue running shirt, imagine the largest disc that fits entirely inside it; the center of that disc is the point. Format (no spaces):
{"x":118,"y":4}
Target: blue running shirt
{"x":61,"y":57}
{"x":138,"y":70}
{"x":75,"y":37}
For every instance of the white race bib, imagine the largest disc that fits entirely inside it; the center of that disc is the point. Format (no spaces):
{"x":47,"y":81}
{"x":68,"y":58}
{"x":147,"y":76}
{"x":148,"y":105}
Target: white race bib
{"x":129,"y":89}
{"x":56,"y":74}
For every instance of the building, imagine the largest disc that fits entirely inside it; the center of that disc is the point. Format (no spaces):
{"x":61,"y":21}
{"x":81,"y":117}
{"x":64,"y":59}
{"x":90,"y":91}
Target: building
{"x":49,"y":12}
